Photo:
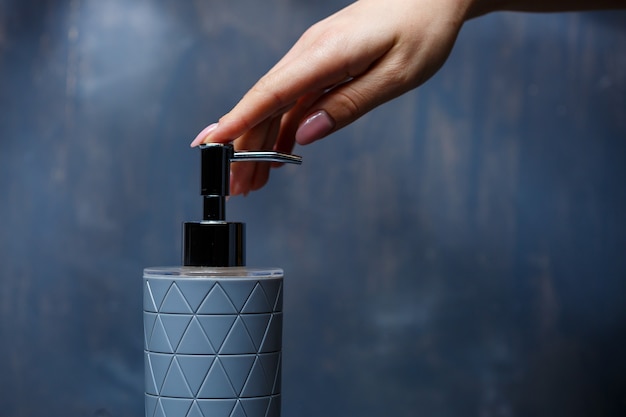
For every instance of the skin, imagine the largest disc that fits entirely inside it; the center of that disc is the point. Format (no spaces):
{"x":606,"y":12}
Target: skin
{"x":348,"y":64}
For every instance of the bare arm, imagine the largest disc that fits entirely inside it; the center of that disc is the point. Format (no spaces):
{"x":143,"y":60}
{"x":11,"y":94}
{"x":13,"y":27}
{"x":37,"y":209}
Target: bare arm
{"x":481,"y":7}
{"x":348,"y":64}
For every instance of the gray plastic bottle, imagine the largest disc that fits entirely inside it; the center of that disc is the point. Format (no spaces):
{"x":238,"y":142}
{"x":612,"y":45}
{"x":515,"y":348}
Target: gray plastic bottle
{"x":213,"y":327}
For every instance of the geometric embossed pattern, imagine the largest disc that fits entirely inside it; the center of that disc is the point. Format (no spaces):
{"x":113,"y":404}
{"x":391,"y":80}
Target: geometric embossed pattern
{"x":212,"y":296}
{"x":213,"y":334}
{"x":212,"y":376}
{"x":190,"y":407}
{"x":212,"y":347}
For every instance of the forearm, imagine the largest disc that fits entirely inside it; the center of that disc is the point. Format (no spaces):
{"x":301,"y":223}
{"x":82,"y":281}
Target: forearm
{"x":480,"y":7}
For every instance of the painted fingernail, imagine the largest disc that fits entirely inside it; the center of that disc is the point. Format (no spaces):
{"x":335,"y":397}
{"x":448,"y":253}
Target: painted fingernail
{"x":202,"y":135}
{"x":314,"y":127}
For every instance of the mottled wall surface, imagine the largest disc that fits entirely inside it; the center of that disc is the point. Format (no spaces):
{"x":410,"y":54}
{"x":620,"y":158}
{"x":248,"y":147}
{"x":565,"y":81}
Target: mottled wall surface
{"x":460,"y":251}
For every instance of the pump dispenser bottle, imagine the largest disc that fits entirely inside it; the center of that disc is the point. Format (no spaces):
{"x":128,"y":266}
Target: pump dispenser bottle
{"x":213,"y":327}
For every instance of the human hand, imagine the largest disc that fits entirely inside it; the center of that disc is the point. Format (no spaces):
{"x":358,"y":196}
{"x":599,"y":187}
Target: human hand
{"x":342,"y":67}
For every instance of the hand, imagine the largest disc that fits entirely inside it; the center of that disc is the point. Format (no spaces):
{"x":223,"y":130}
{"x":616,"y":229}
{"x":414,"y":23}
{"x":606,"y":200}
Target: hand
{"x":342,"y":67}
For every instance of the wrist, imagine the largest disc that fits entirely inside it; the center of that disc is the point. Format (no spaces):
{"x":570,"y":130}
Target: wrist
{"x":481,"y":7}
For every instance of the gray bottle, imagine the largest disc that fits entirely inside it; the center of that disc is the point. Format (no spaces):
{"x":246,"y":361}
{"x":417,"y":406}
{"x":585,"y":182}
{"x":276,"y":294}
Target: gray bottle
{"x":213,"y":327}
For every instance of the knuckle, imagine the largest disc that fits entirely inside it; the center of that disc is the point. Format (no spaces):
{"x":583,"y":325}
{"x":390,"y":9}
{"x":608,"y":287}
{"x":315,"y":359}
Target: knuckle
{"x":322,"y":38}
{"x":266,"y":90}
{"x":349,"y":100}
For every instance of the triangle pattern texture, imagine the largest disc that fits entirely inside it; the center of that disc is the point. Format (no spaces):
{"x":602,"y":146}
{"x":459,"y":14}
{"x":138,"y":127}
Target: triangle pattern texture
{"x":175,"y":326}
{"x":278,"y":305}
{"x":216,"y":384}
{"x":175,"y":407}
{"x":195,"y":341}
{"x":238,"y":411}
{"x":159,"y":364}
{"x":148,"y":301}
{"x":238,"y":292}
{"x":256,"y":325}
{"x":150,"y":405}
{"x":238,"y":369}
{"x":274,"y":408}
{"x":159,"y":342}
{"x":159,"y":412}
{"x":149,"y":382}
{"x":195,"y":291}
{"x":194,"y":411}
{"x":148,"y":327}
{"x":274,"y":337}
{"x":238,"y":340}
{"x":174,"y":302}
{"x":255,"y":406}
{"x":217,"y":302}
{"x":216,"y":408}
{"x":273,"y":288}
{"x":157,"y":289}
{"x":210,"y":297}
{"x":278,"y":381}
{"x":195,"y":368}
{"x":216,"y":328}
{"x":175,"y":384}
{"x":257,"y":384}
{"x":257,"y":302}
{"x":271,"y":366}
{"x":212,"y":346}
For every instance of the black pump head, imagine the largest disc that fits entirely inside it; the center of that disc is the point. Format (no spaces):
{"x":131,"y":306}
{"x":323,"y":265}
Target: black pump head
{"x":213,"y":241}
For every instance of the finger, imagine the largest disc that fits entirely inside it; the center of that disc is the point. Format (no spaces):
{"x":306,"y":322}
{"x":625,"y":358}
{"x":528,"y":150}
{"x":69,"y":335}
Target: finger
{"x":241,"y":173}
{"x":253,"y":175}
{"x":311,"y":66}
{"x":290,"y":122}
{"x":268,"y":98}
{"x":262,"y":169}
{"x":244,"y":175}
{"x":349,"y":101}
{"x":263,"y":101}
{"x":292,"y":119}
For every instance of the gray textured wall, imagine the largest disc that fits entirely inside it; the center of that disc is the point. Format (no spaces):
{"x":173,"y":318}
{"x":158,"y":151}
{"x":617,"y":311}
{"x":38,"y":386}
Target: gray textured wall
{"x":460,"y":251}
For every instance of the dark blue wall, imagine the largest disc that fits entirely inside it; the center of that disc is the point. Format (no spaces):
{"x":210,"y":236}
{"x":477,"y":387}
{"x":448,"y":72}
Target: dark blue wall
{"x":460,"y":251}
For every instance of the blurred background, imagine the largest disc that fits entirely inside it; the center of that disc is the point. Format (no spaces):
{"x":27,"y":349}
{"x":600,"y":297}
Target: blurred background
{"x":460,"y":251}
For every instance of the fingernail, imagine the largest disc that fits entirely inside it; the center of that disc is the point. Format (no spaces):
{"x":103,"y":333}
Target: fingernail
{"x":202,"y":135}
{"x":314,"y":127}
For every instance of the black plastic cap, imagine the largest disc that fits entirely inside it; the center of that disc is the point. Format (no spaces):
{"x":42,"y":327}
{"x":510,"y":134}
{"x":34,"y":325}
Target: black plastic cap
{"x":214,"y":244}
{"x":215,"y":169}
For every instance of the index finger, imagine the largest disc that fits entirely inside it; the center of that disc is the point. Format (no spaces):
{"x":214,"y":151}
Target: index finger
{"x":296,"y":75}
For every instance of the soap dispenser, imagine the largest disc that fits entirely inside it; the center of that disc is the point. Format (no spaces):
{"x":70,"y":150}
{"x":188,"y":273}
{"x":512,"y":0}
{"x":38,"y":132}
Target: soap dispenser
{"x":213,"y":327}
